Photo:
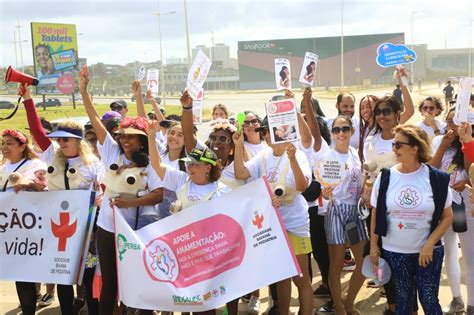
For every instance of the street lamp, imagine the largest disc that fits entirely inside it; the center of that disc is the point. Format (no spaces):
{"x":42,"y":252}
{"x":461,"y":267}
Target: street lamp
{"x":20,"y":41}
{"x":342,"y":44}
{"x":470,"y":51}
{"x":187,"y":32}
{"x":412,"y":42}
{"x":161,"y":51}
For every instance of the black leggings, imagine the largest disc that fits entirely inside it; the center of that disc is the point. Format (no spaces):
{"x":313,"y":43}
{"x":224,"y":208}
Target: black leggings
{"x":27,"y":295}
{"x":108,"y":293}
{"x":319,"y":243}
{"x":92,"y":304}
{"x":66,"y":298}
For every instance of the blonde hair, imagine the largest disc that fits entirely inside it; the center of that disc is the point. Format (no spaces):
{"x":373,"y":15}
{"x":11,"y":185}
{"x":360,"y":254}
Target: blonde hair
{"x":85,"y":151}
{"x":417,"y":137}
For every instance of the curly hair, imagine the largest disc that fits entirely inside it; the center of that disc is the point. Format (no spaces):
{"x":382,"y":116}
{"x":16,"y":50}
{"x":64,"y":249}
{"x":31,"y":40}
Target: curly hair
{"x":436,"y":102}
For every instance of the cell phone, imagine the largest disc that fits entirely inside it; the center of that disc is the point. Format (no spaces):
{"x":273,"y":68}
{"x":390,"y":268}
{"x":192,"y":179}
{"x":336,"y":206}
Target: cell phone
{"x":352,"y":233}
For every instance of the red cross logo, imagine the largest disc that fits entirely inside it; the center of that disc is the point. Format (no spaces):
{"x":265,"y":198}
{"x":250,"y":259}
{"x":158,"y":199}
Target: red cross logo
{"x":63,"y":230}
{"x":258,"y":221}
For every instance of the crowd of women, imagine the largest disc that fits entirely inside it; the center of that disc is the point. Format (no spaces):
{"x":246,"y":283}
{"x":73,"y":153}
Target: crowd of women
{"x":396,"y":203}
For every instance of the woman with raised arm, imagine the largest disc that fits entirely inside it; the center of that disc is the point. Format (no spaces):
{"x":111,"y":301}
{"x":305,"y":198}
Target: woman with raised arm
{"x":129,"y":153}
{"x":287,"y":167}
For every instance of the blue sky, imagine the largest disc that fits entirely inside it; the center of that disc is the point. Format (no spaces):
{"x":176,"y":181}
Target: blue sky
{"x":122,"y":31}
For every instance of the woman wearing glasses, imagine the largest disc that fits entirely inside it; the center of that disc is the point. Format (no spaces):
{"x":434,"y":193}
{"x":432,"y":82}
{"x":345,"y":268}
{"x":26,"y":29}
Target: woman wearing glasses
{"x":412,"y":211}
{"x":342,"y":210}
{"x":448,"y":157}
{"x":254,"y":141}
{"x":74,"y":153}
{"x":430,"y":108}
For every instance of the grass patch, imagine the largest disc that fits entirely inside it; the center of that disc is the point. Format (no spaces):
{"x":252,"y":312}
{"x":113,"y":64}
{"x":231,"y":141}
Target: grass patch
{"x":19,"y":121}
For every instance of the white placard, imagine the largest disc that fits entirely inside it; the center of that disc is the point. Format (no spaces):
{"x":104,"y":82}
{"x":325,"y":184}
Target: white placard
{"x":330,"y":173}
{"x":308,"y":70}
{"x":141,"y":73}
{"x":197,"y":74}
{"x":463,"y":101}
{"x":153,"y":81}
{"x":282,"y":74}
{"x":283,"y":121}
{"x":198,"y":104}
{"x":191,"y":261}
{"x":45,"y":235}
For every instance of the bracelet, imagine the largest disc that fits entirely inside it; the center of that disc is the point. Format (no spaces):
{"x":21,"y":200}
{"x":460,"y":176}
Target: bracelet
{"x":187,"y":108}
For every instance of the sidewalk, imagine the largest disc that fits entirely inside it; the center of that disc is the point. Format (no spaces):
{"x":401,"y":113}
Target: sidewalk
{"x":368,"y":301}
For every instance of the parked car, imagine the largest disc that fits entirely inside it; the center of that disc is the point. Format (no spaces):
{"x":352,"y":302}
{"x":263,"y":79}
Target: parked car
{"x":157,"y":99}
{"x":50,"y":102}
{"x":77,"y":98}
{"x":6,"y":105}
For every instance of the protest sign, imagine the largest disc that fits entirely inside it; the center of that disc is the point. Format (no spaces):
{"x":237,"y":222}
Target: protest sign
{"x":197,"y":74}
{"x":389,"y":55}
{"x":153,"y":81}
{"x":192,"y":261}
{"x":283,"y":121}
{"x":45,"y":235}
{"x":55,"y":55}
{"x":141,"y":73}
{"x":282,"y":74}
{"x":198,"y":103}
{"x":308,"y":70}
{"x":463,"y":101}
{"x":330,"y":173}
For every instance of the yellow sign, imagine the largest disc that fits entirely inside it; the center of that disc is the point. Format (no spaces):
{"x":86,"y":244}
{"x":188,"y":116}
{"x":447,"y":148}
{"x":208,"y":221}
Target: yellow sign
{"x":55,"y":56}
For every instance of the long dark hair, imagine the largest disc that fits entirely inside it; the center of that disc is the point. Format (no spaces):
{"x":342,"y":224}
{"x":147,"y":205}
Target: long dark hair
{"x":246,"y":112}
{"x":456,"y":145}
{"x":364,"y":125}
{"x":309,"y":69}
{"x":282,"y":72}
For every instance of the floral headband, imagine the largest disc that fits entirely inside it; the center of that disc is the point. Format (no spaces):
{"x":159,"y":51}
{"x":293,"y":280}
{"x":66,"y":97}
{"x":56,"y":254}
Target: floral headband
{"x":139,"y":123}
{"x":15,"y":134}
{"x":224,"y":124}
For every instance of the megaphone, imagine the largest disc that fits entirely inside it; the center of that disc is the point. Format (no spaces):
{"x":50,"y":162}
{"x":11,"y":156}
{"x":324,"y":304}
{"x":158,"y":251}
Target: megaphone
{"x":14,"y":75}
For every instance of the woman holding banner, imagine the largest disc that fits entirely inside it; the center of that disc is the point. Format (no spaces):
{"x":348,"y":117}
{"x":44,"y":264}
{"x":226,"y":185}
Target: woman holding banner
{"x":19,"y":157}
{"x":342,"y":187}
{"x":131,"y":151}
{"x":83,"y":170}
{"x":288,"y":171}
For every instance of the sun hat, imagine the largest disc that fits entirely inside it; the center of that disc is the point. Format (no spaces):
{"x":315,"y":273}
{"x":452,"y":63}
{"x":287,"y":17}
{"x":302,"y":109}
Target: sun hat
{"x":66,"y":132}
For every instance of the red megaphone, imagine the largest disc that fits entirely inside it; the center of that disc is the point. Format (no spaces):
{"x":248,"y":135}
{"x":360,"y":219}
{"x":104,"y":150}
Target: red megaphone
{"x":14,"y":75}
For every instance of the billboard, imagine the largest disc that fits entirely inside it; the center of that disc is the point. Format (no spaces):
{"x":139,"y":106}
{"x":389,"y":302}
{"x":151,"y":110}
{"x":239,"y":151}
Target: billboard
{"x":55,"y":57}
{"x":256,"y":58}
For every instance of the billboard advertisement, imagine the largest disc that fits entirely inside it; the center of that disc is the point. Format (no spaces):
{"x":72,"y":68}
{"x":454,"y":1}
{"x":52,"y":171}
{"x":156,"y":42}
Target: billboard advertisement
{"x":55,"y":57}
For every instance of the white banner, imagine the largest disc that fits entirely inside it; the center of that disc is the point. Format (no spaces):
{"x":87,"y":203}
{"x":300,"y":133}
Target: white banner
{"x":153,"y":81}
{"x":206,"y":255}
{"x":197,"y":74}
{"x":44,"y":235}
{"x":198,"y":103}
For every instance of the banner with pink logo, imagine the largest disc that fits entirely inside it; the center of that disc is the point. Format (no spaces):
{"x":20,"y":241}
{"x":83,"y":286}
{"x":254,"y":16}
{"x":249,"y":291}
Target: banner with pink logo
{"x":206,"y":255}
{"x":44,"y":236}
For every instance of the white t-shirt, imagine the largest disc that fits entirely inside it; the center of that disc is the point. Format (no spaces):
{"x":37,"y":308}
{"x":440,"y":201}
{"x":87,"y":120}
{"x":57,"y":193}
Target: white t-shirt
{"x":410,"y":209}
{"x":348,"y":191}
{"x":254,"y":149}
{"x":175,"y":180}
{"x":295,"y":216}
{"x":27,"y":170}
{"x":355,"y":137}
{"x":110,"y":154}
{"x":381,"y":146}
{"x":456,"y":174}
{"x":228,"y":177}
{"x":430,"y":131}
{"x":90,"y":172}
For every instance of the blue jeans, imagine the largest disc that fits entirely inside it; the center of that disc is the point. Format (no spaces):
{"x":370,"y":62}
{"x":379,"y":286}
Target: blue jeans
{"x":410,"y":276}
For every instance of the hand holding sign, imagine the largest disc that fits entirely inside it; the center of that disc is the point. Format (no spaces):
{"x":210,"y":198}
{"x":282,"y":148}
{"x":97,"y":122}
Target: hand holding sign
{"x":330,"y":173}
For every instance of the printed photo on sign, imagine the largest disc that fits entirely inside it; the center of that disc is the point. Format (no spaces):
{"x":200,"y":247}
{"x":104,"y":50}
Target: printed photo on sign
{"x":55,"y":55}
{"x":308,"y":70}
{"x":330,"y":173}
{"x":282,"y":74}
{"x":197,"y":74}
{"x":389,"y":55}
{"x":141,"y":73}
{"x":283,"y":121}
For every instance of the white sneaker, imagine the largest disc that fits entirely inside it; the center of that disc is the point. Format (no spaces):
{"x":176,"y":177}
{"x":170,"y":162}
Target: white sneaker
{"x":254,"y":305}
{"x":456,"y":305}
{"x":46,"y":300}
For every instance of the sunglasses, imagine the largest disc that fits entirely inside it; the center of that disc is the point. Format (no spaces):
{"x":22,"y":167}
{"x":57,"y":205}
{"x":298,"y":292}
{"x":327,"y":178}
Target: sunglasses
{"x":92,"y":140}
{"x":117,"y":108}
{"x":430,"y":108}
{"x":64,"y":139}
{"x":337,"y":130}
{"x":220,"y":139}
{"x":253,"y":122}
{"x":398,"y":144}
{"x":385,"y":111}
